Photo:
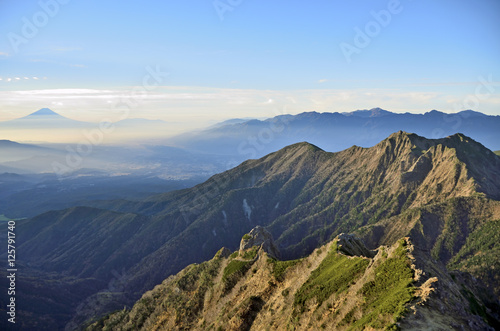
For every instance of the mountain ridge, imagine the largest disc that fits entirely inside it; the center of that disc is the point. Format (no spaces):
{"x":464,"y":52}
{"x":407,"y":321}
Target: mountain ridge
{"x":333,"y":131}
{"x":406,"y":185}
{"x":334,"y":287}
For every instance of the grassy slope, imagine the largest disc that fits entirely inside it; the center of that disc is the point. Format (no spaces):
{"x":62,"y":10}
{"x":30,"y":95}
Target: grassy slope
{"x":334,"y":275}
{"x":325,"y":281}
{"x":387,"y":295}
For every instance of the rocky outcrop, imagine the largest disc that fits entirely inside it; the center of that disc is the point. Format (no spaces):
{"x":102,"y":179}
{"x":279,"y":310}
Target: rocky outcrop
{"x":259,"y":236}
{"x":223,"y":252}
{"x":353,"y":246}
{"x":401,"y":287}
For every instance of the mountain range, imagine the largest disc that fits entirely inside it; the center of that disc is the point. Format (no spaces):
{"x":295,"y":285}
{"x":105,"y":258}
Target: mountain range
{"x":251,"y":138}
{"x":220,"y":146}
{"x":443,"y":194}
{"x":335,"y":131}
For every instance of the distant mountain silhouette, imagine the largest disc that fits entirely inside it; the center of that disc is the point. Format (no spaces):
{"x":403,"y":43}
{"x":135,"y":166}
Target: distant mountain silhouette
{"x":12,"y":152}
{"x":43,"y":112}
{"x":374,"y":112}
{"x":7,"y":144}
{"x":45,"y":125}
{"x":336,"y":131}
{"x":43,"y":119}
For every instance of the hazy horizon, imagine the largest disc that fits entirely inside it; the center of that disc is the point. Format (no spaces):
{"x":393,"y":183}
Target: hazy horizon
{"x":197,"y":65}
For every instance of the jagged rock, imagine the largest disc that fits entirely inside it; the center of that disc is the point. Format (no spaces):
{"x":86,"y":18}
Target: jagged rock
{"x":223,"y":252}
{"x":432,"y":302}
{"x":353,"y":246}
{"x":260,"y":237}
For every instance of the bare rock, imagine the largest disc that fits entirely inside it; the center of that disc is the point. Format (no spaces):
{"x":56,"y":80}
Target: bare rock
{"x":353,"y":246}
{"x":260,"y":237}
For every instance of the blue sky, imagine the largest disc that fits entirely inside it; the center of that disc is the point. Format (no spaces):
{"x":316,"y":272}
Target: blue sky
{"x":240,"y":58}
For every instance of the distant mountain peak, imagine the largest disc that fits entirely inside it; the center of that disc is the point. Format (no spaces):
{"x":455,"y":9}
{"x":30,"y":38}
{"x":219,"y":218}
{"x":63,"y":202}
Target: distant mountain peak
{"x":374,"y":112}
{"x":379,"y":112}
{"x":434,"y":112}
{"x":46,"y":115}
{"x":44,"y":112}
{"x":471,"y":113}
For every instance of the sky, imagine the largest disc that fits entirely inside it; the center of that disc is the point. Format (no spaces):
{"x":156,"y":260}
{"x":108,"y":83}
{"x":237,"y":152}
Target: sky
{"x":202,"y":61}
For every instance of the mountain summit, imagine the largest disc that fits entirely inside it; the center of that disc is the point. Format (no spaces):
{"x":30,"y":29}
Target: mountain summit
{"x":43,"y":124}
{"x":44,"y":112}
{"x":43,"y":118}
{"x":50,"y":126}
{"x":374,"y":112}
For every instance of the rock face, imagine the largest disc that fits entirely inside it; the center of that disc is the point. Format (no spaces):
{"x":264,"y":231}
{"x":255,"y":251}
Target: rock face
{"x":353,"y":246}
{"x":260,"y":237}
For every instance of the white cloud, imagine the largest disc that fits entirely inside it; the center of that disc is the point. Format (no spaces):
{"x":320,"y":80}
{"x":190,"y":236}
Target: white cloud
{"x":322,"y":81}
{"x":19,"y":79}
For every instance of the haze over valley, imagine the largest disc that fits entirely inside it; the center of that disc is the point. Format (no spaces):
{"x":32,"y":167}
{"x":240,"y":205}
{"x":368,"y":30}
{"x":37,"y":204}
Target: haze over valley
{"x":249,"y":165}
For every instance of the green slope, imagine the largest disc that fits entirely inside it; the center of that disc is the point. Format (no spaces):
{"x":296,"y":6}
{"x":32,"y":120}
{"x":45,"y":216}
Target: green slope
{"x":323,"y":291}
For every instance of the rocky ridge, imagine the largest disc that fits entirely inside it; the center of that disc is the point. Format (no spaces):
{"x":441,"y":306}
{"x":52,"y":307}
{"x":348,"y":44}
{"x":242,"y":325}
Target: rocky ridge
{"x":399,"y":286}
{"x":262,"y":238}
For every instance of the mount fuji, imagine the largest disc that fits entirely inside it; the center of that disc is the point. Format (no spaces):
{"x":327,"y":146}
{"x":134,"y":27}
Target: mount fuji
{"x":45,"y":125}
{"x":41,"y":120}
